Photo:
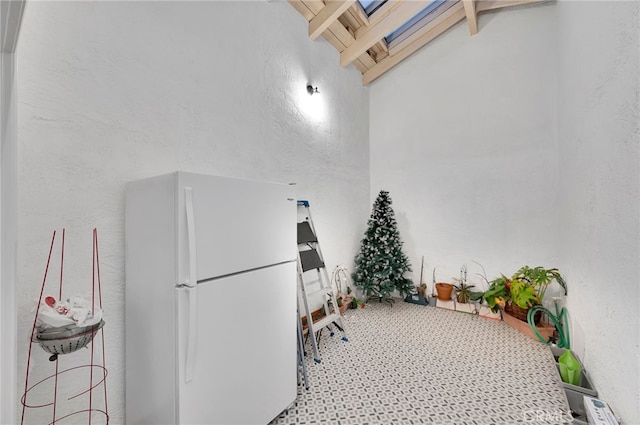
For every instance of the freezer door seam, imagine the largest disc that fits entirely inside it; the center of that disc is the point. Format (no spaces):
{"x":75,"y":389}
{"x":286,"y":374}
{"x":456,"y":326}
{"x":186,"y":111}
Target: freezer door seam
{"x":193,"y":313}
{"x":224,"y":276}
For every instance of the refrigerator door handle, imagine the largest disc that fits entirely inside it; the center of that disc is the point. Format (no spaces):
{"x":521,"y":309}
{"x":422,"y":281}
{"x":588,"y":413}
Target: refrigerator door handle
{"x":191,"y":286}
{"x":191,"y":237}
{"x":191,"y":334}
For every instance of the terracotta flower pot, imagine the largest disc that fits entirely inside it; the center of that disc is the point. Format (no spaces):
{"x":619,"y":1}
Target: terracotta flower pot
{"x":346,"y":302}
{"x":444,"y":291}
{"x":543,"y":329}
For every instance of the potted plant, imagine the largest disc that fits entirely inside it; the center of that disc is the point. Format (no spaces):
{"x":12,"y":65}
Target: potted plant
{"x":483,"y":307}
{"x":339,"y":277}
{"x":464,"y":294}
{"x":524,"y":289}
{"x":515,"y":296}
{"x":444,"y":291}
{"x":344,"y":300}
{"x":343,"y":303}
{"x":540,"y":278}
{"x":356,"y":302}
{"x":463,"y":291}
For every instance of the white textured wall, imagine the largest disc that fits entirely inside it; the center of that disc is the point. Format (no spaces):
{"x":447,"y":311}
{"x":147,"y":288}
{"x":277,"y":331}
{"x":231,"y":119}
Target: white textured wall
{"x":114,"y":91}
{"x":520,"y":145}
{"x":599,"y":191}
{"x":463,"y":136}
{"x":8,"y":244}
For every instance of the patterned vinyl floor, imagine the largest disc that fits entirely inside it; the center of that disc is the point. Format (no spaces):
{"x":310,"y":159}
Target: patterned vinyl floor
{"x":411,"y":364}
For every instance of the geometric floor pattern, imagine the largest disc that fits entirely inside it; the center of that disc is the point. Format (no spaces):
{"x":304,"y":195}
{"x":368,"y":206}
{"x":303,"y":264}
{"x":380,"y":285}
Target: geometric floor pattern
{"x":412,"y":364}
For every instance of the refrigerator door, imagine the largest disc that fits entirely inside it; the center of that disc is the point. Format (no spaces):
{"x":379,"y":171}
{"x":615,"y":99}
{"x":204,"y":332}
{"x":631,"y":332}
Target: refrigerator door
{"x":239,"y":225}
{"x":245,"y":362}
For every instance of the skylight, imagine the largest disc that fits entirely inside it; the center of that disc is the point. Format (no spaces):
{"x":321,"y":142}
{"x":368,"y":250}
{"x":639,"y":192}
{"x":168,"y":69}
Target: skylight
{"x":371,"y":6}
{"x":414,"y":20}
{"x":408,"y":27}
{"x":376,"y":35}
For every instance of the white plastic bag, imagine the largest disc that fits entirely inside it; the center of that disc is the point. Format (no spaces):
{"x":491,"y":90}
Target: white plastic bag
{"x":74,"y":311}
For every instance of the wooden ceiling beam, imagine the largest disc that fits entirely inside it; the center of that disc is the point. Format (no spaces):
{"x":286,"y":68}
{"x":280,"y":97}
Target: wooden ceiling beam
{"x":472,"y":16}
{"x":433,"y":29}
{"x":359,"y":11}
{"x":302,"y":9}
{"x":328,"y":15}
{"x":337,"y":35}
{"x":383,"y":11}
{"x":484,"y":5}
{"x":347,"y":38}
{"x":374,"y":33}
{"x":360,"y":38}
{"x":350,"y":19}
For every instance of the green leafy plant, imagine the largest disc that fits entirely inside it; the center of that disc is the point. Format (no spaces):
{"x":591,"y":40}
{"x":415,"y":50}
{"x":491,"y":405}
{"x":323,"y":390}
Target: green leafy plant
{"x":356,"y":302}
{"x":524,"y":288}
{"x":497,"y":294}
{"x":540,"y":278}
{"x":463,"y":292}
{"x":522,"y":293}
{"x":463,"y":289}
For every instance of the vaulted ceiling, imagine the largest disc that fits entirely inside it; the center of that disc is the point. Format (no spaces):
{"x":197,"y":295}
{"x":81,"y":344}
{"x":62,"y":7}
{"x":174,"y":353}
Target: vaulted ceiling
{"x":377,"y":35}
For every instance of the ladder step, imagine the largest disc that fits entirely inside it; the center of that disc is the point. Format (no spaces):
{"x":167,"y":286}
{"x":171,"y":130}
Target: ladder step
{"x":305,"y":233}
{"x":310,"y":260}
{"x":326,"y":320}
{"x":318,"y":291}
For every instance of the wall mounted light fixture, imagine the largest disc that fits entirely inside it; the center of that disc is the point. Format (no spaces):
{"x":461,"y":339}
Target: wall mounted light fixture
{"x":313,"y":107}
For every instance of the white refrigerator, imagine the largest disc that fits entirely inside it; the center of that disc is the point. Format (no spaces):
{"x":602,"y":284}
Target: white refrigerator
{"x":210,"y":300}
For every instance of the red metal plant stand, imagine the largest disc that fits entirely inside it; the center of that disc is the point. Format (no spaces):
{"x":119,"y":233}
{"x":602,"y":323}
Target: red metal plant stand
{"x":45,"y":397}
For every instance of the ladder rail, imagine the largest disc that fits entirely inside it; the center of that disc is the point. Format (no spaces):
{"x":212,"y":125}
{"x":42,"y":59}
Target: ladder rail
{"x":302,"y":367}
{"x":329,"y":301}
{"x":319,"y":251}
{"x":314,"y":346}
{"x":324,"y":269}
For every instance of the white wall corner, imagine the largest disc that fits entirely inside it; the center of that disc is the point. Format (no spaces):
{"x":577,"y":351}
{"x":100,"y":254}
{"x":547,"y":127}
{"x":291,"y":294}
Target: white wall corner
{"x":8,"y":245}
{"x":10,"y":20}
{"x":576,"y":333}
{"x":8,"y":227}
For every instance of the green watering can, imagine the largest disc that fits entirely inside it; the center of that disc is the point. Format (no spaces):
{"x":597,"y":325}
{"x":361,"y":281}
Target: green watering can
{"x":570,"y":369}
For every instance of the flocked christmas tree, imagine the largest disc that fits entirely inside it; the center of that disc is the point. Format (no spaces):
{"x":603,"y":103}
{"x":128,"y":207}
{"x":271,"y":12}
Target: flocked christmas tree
{"x":380,"y":265}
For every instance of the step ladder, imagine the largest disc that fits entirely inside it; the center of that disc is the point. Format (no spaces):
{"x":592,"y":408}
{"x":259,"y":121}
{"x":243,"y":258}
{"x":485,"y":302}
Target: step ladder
{"x":302,"y":367}
{"x":314,"y":280}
